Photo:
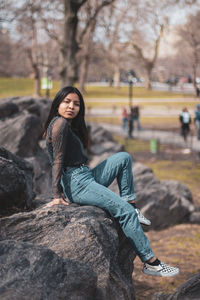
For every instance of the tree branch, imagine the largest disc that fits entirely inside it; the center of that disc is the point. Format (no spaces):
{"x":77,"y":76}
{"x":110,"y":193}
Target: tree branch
{"x":93,"y":17}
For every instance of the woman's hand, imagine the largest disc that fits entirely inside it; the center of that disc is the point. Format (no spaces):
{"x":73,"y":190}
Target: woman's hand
{"x":57,"y":201}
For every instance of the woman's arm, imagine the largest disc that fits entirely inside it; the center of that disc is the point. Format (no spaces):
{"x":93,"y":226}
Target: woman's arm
{"x":59,"y":141}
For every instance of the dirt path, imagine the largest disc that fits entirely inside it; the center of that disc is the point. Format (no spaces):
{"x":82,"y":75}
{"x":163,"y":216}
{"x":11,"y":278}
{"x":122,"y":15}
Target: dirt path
{"x":178,"y":246}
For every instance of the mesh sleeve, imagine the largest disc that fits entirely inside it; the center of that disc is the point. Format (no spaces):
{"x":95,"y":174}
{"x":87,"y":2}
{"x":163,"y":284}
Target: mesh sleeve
{"x":59,"y":141}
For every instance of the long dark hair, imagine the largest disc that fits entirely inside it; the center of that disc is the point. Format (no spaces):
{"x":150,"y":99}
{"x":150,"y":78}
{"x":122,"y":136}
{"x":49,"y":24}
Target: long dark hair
{"x":78,"y":123}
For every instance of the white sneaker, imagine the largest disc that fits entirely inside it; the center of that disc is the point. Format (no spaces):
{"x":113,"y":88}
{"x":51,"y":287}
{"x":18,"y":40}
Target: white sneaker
{"x":160,"y":270}
{"x":142,"y":218}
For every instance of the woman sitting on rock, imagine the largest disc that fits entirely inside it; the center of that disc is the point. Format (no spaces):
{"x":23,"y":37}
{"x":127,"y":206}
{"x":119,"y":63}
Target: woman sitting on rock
{"x":67,"y":141}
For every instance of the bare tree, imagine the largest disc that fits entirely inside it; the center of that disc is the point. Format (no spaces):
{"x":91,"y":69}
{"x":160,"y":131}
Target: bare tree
{"x":25,"y":18}
{"x":149,"y":63}
{"x":149,"y":22}
{"x":190,"y":41}
{"x":115,"y":41}
{"x":70,"y":38}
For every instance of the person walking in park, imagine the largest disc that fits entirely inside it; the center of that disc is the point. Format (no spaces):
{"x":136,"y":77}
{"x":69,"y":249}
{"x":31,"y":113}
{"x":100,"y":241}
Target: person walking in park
{"x":73,"y":181}
{"x":130,"y":123}
{"x":136,"y":117}
{"x":185,"y":120}
{"x":124,"y":118}
{"x":197,"y":121}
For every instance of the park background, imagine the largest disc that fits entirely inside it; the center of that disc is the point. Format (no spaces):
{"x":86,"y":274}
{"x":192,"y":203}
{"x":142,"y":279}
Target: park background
{"x":96,"y":45}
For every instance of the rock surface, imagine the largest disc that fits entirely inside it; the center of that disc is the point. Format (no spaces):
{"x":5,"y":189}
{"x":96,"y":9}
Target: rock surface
{"x":20,"y":134}
{"x":189,"y":290}
{"x":33,"y":272}
{"x":16,"y":181}
{"x":85,"y":234}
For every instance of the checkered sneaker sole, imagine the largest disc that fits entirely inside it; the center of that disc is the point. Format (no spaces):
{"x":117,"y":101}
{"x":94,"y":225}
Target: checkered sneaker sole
{"x":162,"y":270}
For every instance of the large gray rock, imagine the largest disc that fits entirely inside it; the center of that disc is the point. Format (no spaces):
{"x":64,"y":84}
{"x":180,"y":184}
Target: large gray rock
{"x":85,"y":234}
{"x":42,"y":173}
{"x":165,"y":203}
{"x":7,"y":108}
{"x":16,"y":181}
{"x":28,"y":272}
{"x":102,"y":141}
{"x":189,"y":290}
{"x":39,"y":107}
{"x":20,"y":134}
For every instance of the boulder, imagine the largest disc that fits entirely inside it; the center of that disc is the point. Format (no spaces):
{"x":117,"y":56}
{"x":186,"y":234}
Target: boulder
{"x":189,"y":290}
{"x":20,"y":134}
{"x":165,"y":203}
{"x":28,"y":271}
{"x":105,"y":147}
{"x":16,"y":181}
{"x":83,"y":234}
{"x":42,"y":172}
{"x":7,"y":108}
{"x":39,"y":107}
{"x":195,"y":216}
{"x":102,"y":141}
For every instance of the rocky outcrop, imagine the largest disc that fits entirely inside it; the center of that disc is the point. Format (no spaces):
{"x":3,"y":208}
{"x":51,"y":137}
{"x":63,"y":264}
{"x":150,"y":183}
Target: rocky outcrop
{"x":189,"y":290}
{"x":16,"y":181}
{"x":20,"y":134}
{"x":86,"y":235}
{"x":102,"y":142}
{"x":21,"y":126}
{"x":34,"y":272}
{"x":7,"y":108}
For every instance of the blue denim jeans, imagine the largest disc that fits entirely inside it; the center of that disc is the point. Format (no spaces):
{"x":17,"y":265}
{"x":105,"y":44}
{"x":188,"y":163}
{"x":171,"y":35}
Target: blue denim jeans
{"x":87,"y":186}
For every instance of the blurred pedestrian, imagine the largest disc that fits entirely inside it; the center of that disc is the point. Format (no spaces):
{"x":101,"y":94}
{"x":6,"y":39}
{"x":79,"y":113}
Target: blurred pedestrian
{"x":197,"y":120}
{"x":136,"y":116}
{"x":197,"y":91}
{"x":130,"y":123}
{"x":124,"y":118}
{"x":185,"y":120}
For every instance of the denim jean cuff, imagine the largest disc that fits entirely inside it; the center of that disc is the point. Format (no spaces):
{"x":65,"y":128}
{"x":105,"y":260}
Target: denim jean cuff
{"x":129,"y":197}
{"x":146,"y":257}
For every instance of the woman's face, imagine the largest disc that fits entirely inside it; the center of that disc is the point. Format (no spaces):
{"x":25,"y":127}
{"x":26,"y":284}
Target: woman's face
{"x":70,"y":106}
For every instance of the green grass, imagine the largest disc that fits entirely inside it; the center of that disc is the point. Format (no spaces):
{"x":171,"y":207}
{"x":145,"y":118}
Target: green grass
{"x":123,"y":92}
{"x":153,"y":123}
{"x":10,"y":87}
{"x":187,"y":172}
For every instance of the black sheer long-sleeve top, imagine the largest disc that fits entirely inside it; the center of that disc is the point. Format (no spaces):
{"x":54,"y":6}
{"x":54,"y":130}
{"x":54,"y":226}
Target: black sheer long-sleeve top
{"x":65,"y":149}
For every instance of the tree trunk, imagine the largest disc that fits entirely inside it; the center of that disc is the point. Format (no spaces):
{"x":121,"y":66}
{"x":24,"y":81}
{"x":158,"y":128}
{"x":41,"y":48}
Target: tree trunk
{"x":36,"y":81}
{"x":194,"y":76}
{"x":69,"y":48}
{"x":148,"y":79}
{"x":83,"y":72}
{"x":116,"y":77}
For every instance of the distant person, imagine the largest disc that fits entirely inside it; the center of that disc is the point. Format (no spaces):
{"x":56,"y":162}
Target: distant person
{"x":197,"y":120}
{"x":124,"y":118}
{"x":185,"y":120}
{"x":136,"y":116}
{"x":130,"y":123}
{"x":197,"y":91}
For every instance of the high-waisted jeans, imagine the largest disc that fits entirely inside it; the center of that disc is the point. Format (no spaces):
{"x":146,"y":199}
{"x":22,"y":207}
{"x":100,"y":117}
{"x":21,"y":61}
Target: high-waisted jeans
{"x":87,"y":186}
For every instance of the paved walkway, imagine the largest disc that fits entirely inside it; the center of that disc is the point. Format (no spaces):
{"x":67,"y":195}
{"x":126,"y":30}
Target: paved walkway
{"x":166,"y":137}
